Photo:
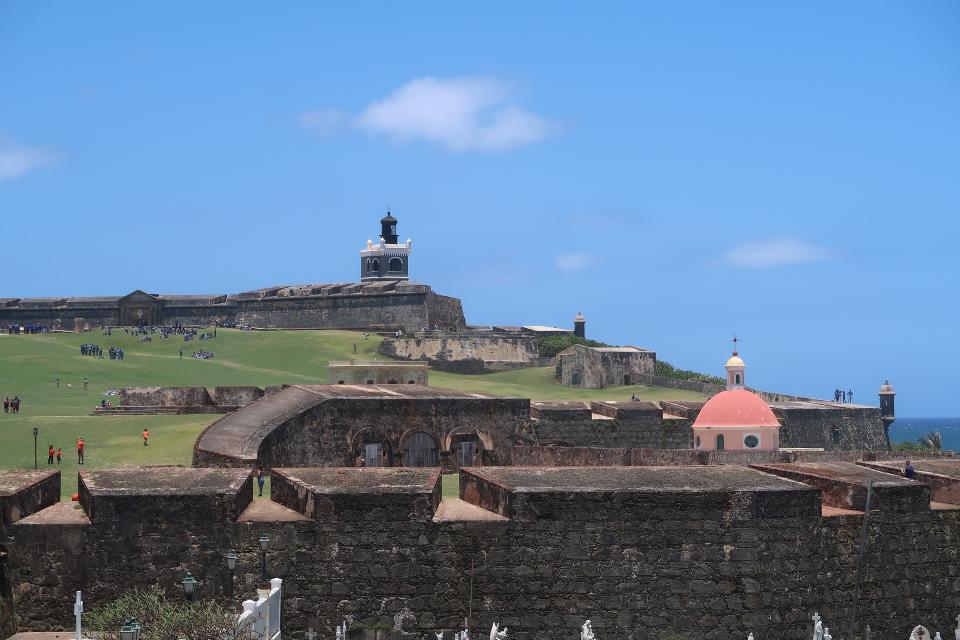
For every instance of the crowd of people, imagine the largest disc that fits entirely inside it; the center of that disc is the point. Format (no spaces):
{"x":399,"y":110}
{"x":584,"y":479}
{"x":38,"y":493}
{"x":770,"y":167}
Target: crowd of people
{"x":116,"y":353}
{"x":842,"y":397}
{"x":11,"y":405}
{"x":203,"y":355}
{"x":87,"y":349}
{"x":17,"y":329}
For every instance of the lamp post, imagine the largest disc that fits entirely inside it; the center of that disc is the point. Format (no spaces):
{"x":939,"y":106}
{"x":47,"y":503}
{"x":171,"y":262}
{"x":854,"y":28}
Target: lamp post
{"x":231,"y":565}
{"x":36,"y":432}
{"x":131,"y":630}
{"x":189,"y":586}
{"x":264,"y":541}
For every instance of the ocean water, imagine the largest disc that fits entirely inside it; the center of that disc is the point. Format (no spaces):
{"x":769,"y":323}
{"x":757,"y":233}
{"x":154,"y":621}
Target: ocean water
{"x":909,"y":429}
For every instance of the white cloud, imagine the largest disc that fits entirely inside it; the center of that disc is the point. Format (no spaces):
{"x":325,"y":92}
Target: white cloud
{"x":325,"y":121}
{"x":16,"y":160}
{"x":574,"y":261}
{"x":776,"y":252}
{"x":461,"y":114}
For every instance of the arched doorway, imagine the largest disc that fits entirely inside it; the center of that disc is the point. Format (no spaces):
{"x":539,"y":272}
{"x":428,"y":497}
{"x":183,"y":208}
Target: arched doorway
{"x":719,"y":442}
{"x":421,"y":450}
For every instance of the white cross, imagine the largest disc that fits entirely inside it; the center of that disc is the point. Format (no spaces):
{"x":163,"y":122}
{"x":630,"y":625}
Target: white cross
{"x":78,"y":611}
{"x":816,"y":617}
{"x":311,"y":634}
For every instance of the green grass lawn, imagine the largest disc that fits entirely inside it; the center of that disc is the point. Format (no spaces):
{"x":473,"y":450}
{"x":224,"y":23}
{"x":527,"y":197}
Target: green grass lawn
{"x":30,"y":365}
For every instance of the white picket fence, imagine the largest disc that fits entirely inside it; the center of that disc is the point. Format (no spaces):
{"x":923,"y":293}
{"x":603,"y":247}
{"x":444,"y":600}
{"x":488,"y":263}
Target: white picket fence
{"x":260,"y":619}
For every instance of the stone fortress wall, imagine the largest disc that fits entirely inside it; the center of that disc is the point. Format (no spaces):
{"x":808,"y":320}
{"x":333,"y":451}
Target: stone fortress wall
{"x":388,"y":305}
{"x":329,"y":425}
{"x":683,"y":552}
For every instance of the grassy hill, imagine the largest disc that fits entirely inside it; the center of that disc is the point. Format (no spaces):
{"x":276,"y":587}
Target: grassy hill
{"x":30,"y":365}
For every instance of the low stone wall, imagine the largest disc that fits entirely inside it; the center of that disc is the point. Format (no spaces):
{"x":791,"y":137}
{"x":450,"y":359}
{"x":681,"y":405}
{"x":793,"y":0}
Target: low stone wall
{"x":189,"y":399}
{"x":165,"y":396}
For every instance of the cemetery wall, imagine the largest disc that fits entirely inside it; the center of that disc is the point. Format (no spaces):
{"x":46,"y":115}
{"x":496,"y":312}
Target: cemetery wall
{"x":21,"y":494}
{"x":708,"y":565}
{"x":554,"y":456}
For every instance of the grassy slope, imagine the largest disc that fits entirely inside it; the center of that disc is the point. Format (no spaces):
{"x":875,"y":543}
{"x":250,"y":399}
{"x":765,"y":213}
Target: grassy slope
{"x":29,"y":366}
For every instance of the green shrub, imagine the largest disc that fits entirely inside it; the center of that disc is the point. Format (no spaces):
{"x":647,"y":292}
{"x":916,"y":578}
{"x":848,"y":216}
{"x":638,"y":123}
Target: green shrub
{"x":666,"y":370}
{"x":909,"y":445}
{"x":162,"y":619}
{"x":552,"y":345}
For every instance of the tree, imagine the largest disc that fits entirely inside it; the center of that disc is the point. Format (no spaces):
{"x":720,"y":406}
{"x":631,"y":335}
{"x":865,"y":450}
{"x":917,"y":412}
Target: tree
{"x":163,"y":619}
{"x":932,"y":440}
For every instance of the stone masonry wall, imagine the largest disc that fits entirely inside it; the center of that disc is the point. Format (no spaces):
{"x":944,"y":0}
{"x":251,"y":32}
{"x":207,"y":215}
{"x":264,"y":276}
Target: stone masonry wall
{"x":834,"y":428}
{"x":704,"y":566}
{"x":329,"y":435}
{"x":552,"y":456}
{"x":407,"y":311}
{"x":460,"y":348}
{"x":652,"y":432}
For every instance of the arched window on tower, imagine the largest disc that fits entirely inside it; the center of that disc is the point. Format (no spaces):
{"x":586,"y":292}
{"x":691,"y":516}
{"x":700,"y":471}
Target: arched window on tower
{"x":738,"y":378}
{"x":396,"y":264}
{"x":376,"y":265}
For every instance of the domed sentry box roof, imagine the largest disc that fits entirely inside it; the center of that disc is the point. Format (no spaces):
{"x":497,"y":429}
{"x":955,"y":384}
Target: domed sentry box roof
{"x":736,"y":408}
{"x":388,"y":219}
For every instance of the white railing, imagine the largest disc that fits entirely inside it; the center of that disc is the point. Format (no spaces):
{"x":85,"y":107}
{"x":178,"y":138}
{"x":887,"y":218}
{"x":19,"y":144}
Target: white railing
{"x":260,"y":619}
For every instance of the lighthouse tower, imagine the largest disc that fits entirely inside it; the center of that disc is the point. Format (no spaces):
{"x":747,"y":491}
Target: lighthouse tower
{"x":387,"y":259}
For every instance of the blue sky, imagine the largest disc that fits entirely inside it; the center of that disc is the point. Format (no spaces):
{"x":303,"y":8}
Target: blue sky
{"x":680,"y":172}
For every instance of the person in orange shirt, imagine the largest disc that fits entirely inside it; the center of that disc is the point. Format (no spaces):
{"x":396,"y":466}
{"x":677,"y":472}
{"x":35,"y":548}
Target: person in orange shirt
{"x":50,"y":452}
{"x":80,"y":446}
{"x":59,"y":455}
{"x":146,"y":434}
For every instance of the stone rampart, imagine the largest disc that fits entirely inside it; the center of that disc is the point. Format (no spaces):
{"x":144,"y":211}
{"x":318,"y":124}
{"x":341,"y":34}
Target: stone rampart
{"x":456,"y":348}
{"x":185,"y":399}
{"x":705,"y":553}
{"x":22,"y":493}
{"x":607,"y":424}
{"x":384,"y":305}
{"x":331,"y":425}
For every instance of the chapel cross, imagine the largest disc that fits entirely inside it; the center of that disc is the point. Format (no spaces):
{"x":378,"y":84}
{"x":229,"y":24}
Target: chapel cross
{"x":735,"y":341}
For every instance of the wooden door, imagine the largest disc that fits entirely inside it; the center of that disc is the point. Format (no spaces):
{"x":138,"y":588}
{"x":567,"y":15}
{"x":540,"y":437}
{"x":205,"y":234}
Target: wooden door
{"x":373,"y":454}
{"x":421,"y":451}
{"x":466,"y":451}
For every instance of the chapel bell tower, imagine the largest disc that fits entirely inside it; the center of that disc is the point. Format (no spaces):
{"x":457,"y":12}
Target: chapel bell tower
{"x":735,"y":370}
{"x":387,"y":259}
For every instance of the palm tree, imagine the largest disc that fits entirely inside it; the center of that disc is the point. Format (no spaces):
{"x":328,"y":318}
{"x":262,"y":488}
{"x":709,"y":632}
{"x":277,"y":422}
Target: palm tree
{"x":932,"y":440}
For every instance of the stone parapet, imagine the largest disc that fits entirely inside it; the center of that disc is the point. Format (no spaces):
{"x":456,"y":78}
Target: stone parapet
{"x":708,"y":552}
